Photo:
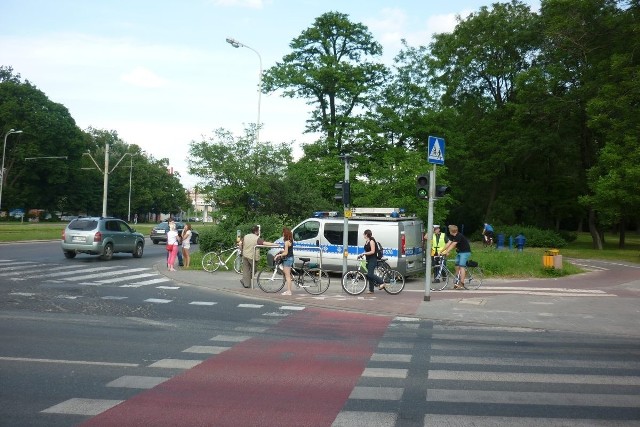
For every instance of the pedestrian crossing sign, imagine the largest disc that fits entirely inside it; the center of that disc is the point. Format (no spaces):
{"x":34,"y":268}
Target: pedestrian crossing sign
{"x":436,"y":150}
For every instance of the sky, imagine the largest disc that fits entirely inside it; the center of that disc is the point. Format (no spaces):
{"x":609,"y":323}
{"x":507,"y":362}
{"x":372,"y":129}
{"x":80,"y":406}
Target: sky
{"x":161,"y":74}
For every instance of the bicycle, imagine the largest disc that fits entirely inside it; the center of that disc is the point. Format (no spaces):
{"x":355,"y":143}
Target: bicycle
{"x":309,"y":277}
{"x":442,"y":276}
{"x":211,"y":261}
{"x":487,"y":240}
{"x":354,"y":282}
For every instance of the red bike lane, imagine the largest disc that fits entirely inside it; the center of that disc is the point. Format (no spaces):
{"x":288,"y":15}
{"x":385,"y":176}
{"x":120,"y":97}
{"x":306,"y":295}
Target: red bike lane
{"x":300,"y":372}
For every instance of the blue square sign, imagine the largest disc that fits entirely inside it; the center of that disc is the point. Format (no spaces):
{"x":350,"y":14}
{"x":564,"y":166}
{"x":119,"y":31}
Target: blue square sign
{"x":435,"y":154}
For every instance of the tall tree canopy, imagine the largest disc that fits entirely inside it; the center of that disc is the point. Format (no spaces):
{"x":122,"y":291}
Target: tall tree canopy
{"x":330,"y":68}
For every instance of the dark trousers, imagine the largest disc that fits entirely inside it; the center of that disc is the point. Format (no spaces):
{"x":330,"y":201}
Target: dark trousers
{"x":371,"y":275}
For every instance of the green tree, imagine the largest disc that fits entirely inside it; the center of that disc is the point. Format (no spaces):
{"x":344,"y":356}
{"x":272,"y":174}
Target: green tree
{"x":239,"y":176}
{"x":329,"y":67}
{"x":48,"y":131}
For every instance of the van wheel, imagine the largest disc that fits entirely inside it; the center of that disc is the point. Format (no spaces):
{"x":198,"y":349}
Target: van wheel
{"x":108,"y":252}
{"x":69,"y":254}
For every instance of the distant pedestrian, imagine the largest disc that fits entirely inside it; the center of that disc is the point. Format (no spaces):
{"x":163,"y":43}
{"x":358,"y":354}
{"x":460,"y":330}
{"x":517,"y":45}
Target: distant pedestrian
{"x":172,"y":246}
{"x":135,"y":219}
{"x":186,"y":245}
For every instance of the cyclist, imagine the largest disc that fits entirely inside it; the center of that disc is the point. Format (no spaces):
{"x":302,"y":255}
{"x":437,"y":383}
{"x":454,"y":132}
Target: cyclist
{"x":487,"y":234}
{"x":287,"y":257}
{"x":370,"y":249}
{"x":463,"y":249}
{"x":438,"y":242}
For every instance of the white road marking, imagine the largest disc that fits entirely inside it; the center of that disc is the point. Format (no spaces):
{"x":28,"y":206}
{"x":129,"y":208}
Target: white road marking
{"x":69,"y":362}
{"x":77,"y":406}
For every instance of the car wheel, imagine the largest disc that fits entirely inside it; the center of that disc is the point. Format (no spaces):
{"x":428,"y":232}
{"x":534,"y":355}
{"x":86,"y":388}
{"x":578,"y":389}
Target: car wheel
{"x":69,"y":254}
{"x":108,"y":252}
{"x":137,"y":253}
{"x":155,"y":242}
{"x":194,"y":240}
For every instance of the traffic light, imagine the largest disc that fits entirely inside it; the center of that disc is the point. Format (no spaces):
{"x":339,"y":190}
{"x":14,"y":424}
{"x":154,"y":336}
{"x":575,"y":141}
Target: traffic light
{"x":343,"y":192}
{"x":422,"y":186}
{"x":441,"y":190}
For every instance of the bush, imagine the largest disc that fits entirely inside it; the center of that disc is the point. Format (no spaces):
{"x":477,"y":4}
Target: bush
{"x":223,"y":235}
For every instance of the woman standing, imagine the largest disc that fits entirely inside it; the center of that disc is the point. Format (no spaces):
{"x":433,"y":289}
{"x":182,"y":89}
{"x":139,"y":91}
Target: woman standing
{"x":372,"y":261}
{"x":287,"y":257}
{"x":172,"y":245}
{"x":186,"y":245}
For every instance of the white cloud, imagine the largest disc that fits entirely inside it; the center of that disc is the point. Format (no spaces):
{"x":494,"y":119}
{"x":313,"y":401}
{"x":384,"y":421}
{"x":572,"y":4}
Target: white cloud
{"x":143,"y":77}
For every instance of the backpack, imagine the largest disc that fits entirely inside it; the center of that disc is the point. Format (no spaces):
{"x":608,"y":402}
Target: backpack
{"x":379,"y":250}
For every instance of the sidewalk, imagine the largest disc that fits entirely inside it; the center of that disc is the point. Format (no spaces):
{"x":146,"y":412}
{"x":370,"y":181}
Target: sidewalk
{"x":616,"y":310}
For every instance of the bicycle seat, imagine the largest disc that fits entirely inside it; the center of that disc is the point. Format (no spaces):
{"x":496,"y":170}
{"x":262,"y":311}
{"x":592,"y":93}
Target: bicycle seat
{"x":305,"y":259}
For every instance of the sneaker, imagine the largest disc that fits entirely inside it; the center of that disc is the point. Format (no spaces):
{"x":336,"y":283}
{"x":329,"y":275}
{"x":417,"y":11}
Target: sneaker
{"x":382,"y":286}
{"x":286,"y":293}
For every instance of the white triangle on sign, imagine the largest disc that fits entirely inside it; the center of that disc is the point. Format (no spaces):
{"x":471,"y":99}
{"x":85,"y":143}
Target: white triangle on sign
{"x":436,"y":152}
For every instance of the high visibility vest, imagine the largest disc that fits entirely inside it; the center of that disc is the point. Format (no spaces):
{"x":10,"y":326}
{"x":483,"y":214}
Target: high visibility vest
{"x":437,"y":244}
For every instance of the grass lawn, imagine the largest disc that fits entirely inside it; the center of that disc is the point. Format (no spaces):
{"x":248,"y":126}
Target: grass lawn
{"x":503,"y":263}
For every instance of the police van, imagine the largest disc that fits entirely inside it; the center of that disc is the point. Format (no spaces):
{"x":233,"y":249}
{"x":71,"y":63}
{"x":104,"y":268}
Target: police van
{"x":321,"y":239}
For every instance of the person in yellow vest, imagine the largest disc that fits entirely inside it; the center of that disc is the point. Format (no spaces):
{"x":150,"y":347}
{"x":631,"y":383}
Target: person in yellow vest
{"x":438,"y":242}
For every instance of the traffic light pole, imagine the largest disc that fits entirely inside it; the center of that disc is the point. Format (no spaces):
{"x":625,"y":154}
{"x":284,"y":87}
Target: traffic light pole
{"x":346,"y":202}
{"x":432,"y":195}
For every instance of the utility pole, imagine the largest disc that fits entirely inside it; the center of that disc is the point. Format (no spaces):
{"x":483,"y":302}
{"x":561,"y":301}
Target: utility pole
{"x":106,"y":172}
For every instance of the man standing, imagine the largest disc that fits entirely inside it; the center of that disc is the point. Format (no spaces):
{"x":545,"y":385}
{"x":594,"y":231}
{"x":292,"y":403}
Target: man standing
{"x":248,"y":244}
{"x":463,"y":249}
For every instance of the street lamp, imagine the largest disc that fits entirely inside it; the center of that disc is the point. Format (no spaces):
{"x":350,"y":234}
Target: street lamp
{"x":235,"y":43}
{"x":4,"y":148}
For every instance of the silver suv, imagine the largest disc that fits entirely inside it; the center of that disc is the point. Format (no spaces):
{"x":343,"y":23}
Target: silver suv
{"x":101,"y":236}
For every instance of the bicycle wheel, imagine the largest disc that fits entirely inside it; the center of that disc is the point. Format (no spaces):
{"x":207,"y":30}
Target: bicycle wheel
{"x":381,"y":268}
{"x":393,"y":282}
{"x":315,"y":281}
{"x":270,"y":280}
{"x":211,"y":262}
{"x":354,"y":282}
{"x":474,"y":278}
{"x":237,"y":264}
{"x":440,"y":278}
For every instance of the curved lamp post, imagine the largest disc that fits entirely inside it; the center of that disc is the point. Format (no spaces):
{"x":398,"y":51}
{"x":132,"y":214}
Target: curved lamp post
{"x":4,"y":148}
{"x":235,"y":43}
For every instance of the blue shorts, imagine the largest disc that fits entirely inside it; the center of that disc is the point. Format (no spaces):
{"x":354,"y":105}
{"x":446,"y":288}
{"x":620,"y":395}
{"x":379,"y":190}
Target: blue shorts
{"x":287,"y":262}
{"x":462,"y":258}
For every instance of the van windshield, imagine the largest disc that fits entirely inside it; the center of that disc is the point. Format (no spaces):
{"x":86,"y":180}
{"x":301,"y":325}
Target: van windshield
{"x":306,"y":231}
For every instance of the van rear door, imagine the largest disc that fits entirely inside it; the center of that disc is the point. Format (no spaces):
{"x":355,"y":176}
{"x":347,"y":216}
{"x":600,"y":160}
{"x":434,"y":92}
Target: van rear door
{"x":411,"y":232}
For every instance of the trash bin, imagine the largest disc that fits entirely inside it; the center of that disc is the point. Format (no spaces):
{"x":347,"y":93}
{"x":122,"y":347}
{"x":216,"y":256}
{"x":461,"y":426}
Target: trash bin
{"x":552,"y":259}
{"x":500,"y":244}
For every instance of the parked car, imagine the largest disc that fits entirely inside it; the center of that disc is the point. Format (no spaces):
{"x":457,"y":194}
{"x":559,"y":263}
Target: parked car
{"x":101,"y":236}
{"x":159,"y":232}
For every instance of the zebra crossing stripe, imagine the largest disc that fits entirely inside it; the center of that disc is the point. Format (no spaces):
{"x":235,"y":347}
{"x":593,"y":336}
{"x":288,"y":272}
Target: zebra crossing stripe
{"x":93,"y":276}
{"x":145,"y":283}
{"x":122,"y":279}
{"x":522,"y":377}
{"x":69,"y":273}
{"x":533,"y":398}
